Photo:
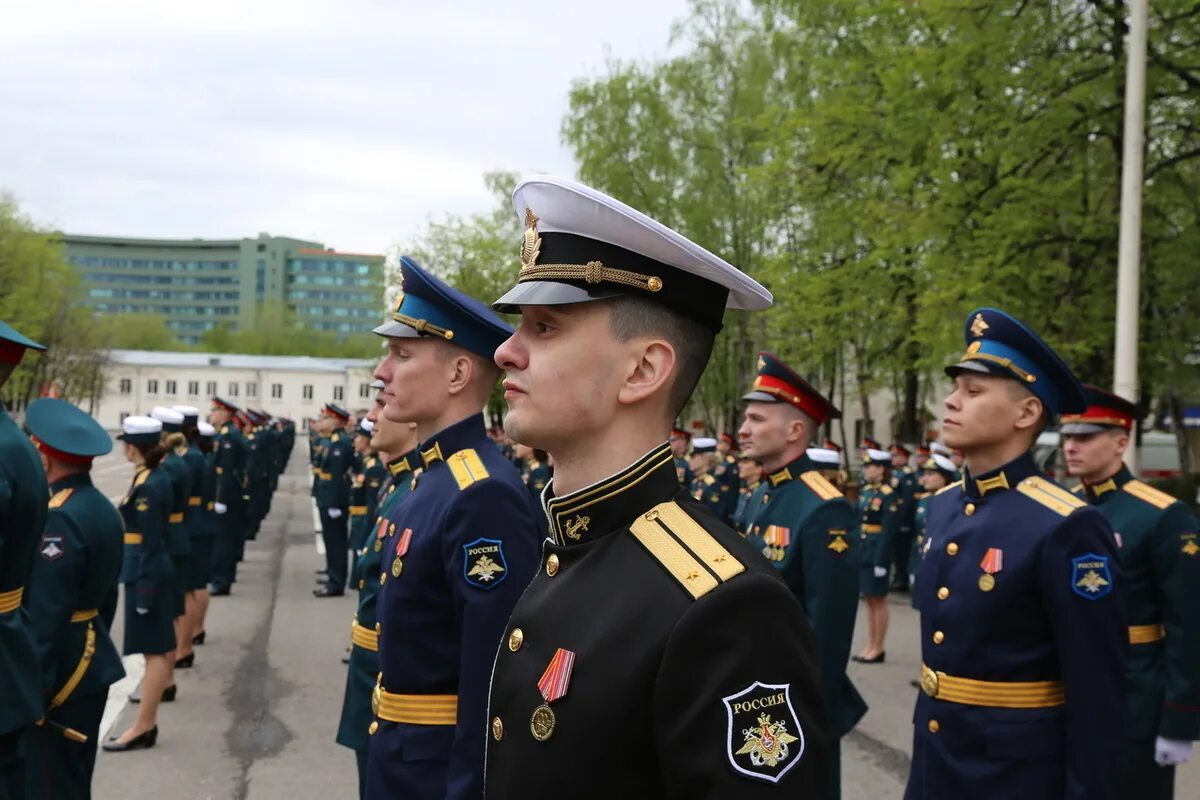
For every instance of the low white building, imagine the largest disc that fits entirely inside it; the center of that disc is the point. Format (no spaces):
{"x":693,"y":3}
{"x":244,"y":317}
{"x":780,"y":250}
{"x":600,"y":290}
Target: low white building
{"x":284,"y":386}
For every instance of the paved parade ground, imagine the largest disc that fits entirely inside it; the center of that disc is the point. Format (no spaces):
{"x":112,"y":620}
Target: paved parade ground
{"x":256,"y":717}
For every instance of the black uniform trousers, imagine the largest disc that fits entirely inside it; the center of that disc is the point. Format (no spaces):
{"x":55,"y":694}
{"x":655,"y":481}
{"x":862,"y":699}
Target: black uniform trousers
{"x":58,"y":767}
{"x":1142,"y":777}
{"x":334,"y":533}
{"x":231,"y":538}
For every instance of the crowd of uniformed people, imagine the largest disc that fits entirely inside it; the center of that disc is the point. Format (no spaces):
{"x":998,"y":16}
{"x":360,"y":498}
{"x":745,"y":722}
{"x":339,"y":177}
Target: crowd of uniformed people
{"x":594,"y":602}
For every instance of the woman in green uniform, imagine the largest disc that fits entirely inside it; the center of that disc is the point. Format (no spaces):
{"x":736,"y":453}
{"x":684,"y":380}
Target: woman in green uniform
{"x":876,"y":503}
{"x":77,"y":565}
{"x":148,"y":576}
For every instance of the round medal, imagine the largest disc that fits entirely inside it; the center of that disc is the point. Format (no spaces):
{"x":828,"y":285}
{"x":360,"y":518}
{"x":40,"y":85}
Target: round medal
{"x":378,"y":545}
{"x":987,"y":582}
{"x":541,"y":724}
{"x":397,"y":567}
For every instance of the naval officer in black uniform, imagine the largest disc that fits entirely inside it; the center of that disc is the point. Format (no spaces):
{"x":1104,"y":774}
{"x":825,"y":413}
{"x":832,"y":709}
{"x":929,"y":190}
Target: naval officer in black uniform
{"x":655,"y":653}
{"x":1023,"y":633}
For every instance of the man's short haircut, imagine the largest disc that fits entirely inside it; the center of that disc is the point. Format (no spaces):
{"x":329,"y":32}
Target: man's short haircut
{"x":1019,"y":391}
{"x":693,"y":342}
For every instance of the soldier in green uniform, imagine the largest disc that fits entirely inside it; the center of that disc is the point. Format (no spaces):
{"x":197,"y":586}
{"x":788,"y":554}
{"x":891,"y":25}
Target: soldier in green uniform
{"x":370,"y":473}
{"x":1159,"y":552}
{"x":178,"y":544}
{"x":395,"y":443}
{"x":333,"y":498}
{"x":229,"y":503}
{"x":148,"y":575}
{"x":807,"y":527}
{"x":535,"y":469}
{"x":77,"y":566}
{"x":655,"y":653}
{"x":23,"y":498}
{"x":205,"y":440}
{"x":749,"y":478}
{"x":681,"y":442}
{"x":878,"y":503}
{"x":937,"y":471}
{"x":904,"y":482}
{"x":711,"y":490}
{"x":199,"y":532}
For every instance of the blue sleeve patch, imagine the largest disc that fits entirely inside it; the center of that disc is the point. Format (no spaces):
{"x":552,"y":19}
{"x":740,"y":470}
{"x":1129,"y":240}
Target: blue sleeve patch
{"x":484,"y":566}
{"x":1090,"y":576}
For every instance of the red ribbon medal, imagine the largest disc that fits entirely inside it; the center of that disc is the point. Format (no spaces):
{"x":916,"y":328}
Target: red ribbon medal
{"x":993,"y":562}
{"x":553,"y":685}
{"x":402,"y":542}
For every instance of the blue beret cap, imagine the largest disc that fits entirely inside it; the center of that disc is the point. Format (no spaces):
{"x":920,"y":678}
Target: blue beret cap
{"x":1000,"y":344}
{"x":429,"y":307}
{"x":62,"y":426}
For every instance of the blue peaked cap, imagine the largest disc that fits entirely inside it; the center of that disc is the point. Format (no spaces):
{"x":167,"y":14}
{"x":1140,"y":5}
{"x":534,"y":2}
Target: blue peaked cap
{"x":429,"y":307}
{"x":66,"y":428}
{"x":1000,"y":344}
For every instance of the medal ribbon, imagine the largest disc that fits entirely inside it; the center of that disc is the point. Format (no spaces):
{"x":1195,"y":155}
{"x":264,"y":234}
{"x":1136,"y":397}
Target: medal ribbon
{"x":993,"y":561}
{"x":554,"y":681}
{"x":402,"y":542}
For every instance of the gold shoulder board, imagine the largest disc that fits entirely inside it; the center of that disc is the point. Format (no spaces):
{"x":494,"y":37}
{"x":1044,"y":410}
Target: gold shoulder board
{"x":61,"y":497}
{"x":948,"y":487}
{"x":686,"y":550}
{"x":467,"y":467}
{"x":1148,"y":494}
{"x":142,"y":476}
{"x":709,"y":480}
{"x":1078,"y":489}
{"x":1050,"y":494}
{"x":820,"y":485}
{"x":885,"y":489}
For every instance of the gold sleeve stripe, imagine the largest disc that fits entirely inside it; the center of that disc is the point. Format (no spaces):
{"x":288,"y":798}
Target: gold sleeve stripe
{"x":60,"y":498}
{"x":699,"y":541}
{"x":1050,"y":495}
{"x":1148,"y":494}
{"x":947,"y":488}
{"x":820,"y":485}
{"x":682,"y":565}
{"x":467,"y":467}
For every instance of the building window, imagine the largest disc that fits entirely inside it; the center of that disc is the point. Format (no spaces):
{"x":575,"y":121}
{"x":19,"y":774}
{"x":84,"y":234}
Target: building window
{"x":171,"y":386}
{"x":307,"y":391}
{"x":364,"y":390}
{"x":210,"y":388}
{"x":233,"y":389}
{"x":339,"y":393}
{"x":276,"y":391}
{"x":251,"y":390}
{"x":126,"y":385}
{"x":152,"y":387}
{"x":193,"y":388}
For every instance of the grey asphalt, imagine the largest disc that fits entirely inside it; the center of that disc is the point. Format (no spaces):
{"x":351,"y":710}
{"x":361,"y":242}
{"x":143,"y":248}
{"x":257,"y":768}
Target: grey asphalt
{"x":256,"y":717}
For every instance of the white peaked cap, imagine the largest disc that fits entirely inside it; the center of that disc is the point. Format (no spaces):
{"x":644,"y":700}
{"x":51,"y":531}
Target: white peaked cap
{"x":136,"y":425}
{"x":187,"y":411}
{"x":168,"y":415}
{"x":821,"y":455}
{"x":205,"y":429}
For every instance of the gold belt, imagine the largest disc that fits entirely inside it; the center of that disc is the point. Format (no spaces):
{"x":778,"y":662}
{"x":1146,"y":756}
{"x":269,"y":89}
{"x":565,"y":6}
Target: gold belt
{"x":358,"y":511}
{"x":85,"y":659}
{"x":209,"y":506}
{"x":415,"y":709}
{"x":868,"y":528}
{"x":176,"y":517}
{"x":85,"y":615}
{"x":11,"y":601}
{"x":995,"y":694}
{"x":365,"y":638}
{"x":1145,"y":634}
{"x":194,"y":501}
{"x":133,"y":538}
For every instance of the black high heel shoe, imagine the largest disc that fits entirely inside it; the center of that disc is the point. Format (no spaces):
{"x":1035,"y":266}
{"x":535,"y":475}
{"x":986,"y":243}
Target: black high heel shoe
{"x":199,"y":638}
{"x":186,"y":661}
{"x":879,"y":659}
{"x":143,"y":741}
{"x":168,"y":695}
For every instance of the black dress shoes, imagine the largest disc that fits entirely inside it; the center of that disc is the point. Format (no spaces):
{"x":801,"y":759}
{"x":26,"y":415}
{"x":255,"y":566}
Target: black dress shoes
{"x":143,"y":741}
{"x":168,"y":695}
{"x":186,"y":661}
{"x":326,"y":591}
{"x":218,"y":591}
{"x":198,"y":638}
{"x":875,"y":660}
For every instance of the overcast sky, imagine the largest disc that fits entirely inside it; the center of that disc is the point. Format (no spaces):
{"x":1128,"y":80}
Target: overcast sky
{"x":349,"y":122}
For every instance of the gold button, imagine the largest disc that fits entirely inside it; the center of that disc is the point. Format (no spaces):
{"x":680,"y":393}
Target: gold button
{"x":382,"y":578}
{"x":938,"y":637}
{"x":943,"y":593}
{"x":952,"y":548}
{"x":497,"y":729}
{"x":970,"y":509}
{"x":516,"y":639}
{"x":933,"y":726}
{"x":552,"y":565}
{"x":378,"y":628}
{"x":361,"y":583}
{"x":374,"y":726}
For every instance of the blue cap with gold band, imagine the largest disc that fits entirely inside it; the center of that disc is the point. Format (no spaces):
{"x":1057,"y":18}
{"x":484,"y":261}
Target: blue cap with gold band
{"x":999,"y":344}
{"x":428,"y":307}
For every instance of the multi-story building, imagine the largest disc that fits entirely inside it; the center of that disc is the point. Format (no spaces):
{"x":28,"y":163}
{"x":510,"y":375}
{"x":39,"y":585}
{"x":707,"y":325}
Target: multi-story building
{"x":197,"y":284}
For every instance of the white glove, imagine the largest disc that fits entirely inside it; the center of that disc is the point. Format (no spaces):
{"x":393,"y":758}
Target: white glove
{"x":143,"y":611}
{"x":220,"y":508}
{"x":334,"y":513}
{"x":881,"y":572}
{"x":1172,"y":752}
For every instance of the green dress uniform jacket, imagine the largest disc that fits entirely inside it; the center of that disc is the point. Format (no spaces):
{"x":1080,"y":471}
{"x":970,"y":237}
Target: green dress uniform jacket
{"x":877,"y":528}
{"x":1159,"y":553}
{"x":742,"y":516}
{"x":230,"y":465}
{"x":920,"y":514}
{"x":715,"y":494}
{"x":197,"y":522}
{"x":179,"y":546}
{"x":77,"y":566}
{"x":333,"y":485}
{"x":146,"y":568}
{"x":655,"y":654}
{"x":23,"y":499}
{"x":807,"y":528}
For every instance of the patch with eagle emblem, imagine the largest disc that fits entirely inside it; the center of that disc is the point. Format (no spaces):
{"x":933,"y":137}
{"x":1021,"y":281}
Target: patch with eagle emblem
{"x":764,"y":738}
{"x":484,"y":566}
{"x":1090,"y":576}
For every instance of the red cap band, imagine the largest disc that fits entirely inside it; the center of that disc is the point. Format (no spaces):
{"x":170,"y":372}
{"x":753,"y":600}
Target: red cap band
{"x":791,"y":394}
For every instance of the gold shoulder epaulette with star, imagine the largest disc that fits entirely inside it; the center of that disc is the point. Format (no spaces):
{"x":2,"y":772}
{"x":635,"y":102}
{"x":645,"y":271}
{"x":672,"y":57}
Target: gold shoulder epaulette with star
{"x":1148,"y":494}
{"x":708,"y":480}
{"x":685,"y":549}
{"x":947,"y":487}
{"x":467,"y":467}
{"x":820,"y":485}
{"x":1050,"y":494}
{"x":60,"y":498}
{"x":885,"y":489}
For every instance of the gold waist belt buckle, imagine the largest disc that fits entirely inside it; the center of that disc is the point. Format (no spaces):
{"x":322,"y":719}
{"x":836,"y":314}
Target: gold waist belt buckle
{"x":1145,"y":634}
{"x":865,"y":528}
{"x":176,"y":517}
{"x":994,"y":694}
{"x":133,"y":538}
{"x":365,"y":638}
{"x":85,"y":615}
{"x":193,"y":501}
{"x":415,"y":709}
{"x":11,"y":600}
{"x":358,"y":511}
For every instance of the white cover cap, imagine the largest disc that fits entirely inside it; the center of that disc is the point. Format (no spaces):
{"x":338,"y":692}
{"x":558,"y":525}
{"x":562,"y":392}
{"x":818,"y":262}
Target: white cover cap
{"x":821,"y":455}
{"x":168,"y":415}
